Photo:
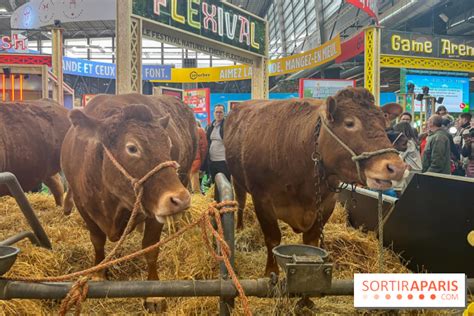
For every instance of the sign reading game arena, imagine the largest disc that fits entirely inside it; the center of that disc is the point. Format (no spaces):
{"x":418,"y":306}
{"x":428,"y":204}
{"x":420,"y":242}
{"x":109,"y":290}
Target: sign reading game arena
{"x":211,"y":19}
{"x":422,"y":45}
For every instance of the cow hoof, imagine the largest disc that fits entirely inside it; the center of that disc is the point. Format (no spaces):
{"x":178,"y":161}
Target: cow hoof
{"x":99,"y":276}
{"x":156,"y":304}
{"x":305,"y":306}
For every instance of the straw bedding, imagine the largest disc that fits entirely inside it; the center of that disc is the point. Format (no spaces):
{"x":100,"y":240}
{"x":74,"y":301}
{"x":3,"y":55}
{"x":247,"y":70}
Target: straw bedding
{"x":186,"y":258}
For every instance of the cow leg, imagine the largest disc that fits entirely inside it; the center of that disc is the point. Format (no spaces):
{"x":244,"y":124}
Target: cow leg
{"x":311,"y":237}
{"x":56,"y":187}
{"x":241,"y":197}
{"x":68,"y":202}
{"x":271,"y":232}
{"x":98,"y":239}
{"x":151,"y":236}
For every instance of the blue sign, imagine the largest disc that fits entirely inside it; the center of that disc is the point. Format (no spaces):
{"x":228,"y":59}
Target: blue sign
{"x":156,"y":72}
{"x":87,"y":68}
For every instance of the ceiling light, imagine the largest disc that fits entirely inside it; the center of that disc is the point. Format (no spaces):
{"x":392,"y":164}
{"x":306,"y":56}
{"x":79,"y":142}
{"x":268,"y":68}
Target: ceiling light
{"x":444,"y":17}
{"x":3,"y":10}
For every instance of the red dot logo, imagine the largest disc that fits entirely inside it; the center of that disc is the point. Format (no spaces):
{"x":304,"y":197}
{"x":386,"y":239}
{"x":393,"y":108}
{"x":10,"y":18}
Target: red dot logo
{"x":410,"y":296}
{"x":399,"y":296}
{"x":387,"y":296}
{"x":433,"y":296}
{"x":422,"y":296}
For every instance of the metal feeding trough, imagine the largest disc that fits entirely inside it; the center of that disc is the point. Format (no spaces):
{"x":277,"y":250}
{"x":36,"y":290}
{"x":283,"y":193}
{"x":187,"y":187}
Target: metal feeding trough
{"x":306,"y":268}
{"x":7,"y":258}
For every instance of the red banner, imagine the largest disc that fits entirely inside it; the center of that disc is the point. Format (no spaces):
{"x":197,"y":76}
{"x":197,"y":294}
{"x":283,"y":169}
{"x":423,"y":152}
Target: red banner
{"x":368,"y":6}
{"x":351,"y":48}
{"x":25,"y":59}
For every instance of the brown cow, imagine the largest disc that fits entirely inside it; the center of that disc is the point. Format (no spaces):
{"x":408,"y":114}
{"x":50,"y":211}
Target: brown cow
{"x":269,"y":151}
{"x":140,"y":132}
{"x":31,"y":134}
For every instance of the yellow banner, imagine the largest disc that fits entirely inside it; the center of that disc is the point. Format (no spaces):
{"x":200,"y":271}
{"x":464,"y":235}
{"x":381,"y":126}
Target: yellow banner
{"x":211,"y":74}
{"x":306,"y":60}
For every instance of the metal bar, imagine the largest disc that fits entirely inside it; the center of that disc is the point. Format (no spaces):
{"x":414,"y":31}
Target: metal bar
{"x":369,"y":193}
{"x":16,"y":191}
{"x":185,"y":288}
{"x":226,"y":193}
{"x":14,"y":239}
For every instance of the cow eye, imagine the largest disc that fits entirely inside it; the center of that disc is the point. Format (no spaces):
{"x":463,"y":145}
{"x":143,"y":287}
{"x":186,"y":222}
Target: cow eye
{"x":349,"y":123}
{"x":132,"y":149}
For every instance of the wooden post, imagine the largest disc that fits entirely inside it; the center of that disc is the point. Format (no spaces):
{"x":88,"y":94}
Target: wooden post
{"x":123,"y":24}
{"x":57,"y":42}
{"x":44,"y":82}
{"x":372,"y":62}
{"x":260,"y":73}
{"x":128,"y":49}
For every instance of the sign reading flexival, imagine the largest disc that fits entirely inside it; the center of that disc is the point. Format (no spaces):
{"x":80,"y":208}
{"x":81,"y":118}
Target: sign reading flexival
{"x":209,"y":19}
{"x":422,"y":45}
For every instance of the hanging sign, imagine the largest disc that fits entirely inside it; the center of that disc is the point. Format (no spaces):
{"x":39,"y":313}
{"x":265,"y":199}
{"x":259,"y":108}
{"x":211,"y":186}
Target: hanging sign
{"x":309,"y":59}
{"x":423,"y":45}
{"x":87,"y":68}
{"x":210,"y":19}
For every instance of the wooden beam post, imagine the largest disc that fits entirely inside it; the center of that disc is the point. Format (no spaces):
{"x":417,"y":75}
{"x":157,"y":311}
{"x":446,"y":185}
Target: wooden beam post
{"x":128,"y":32}
{"x":372,"y":62}
{"x":44,"y":82}
{"x":57,"y":43}
{"x":260,"y":73}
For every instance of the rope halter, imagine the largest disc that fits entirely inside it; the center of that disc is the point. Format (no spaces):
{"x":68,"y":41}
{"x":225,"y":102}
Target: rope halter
{"x":137,"y":184}
{"x":355,"y":158}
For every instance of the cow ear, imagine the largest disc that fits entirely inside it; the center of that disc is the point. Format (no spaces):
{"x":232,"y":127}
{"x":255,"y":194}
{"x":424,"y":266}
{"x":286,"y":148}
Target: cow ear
{"x":391,"y":111}
{"x":164,"y":121}
{"x":80,"y":119}
{"x":331,"y":107}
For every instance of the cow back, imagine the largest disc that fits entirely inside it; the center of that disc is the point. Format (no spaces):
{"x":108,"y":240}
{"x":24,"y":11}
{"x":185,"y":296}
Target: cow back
{"x":31,"y":135}
{"x":262,"y":135}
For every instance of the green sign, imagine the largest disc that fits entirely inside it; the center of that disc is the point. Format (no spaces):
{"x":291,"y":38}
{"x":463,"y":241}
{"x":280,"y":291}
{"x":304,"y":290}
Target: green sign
{"x":211,"y":19}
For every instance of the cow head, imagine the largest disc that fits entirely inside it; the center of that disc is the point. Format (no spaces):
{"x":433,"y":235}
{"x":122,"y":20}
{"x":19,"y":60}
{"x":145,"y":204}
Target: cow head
{"x":139,"y":141}
{"x":353,"y":117}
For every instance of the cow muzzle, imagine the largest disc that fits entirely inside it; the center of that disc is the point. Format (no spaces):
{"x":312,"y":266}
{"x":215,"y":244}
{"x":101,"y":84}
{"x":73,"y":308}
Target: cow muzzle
{"x":381,"y":173}
{"x":172,"y":203}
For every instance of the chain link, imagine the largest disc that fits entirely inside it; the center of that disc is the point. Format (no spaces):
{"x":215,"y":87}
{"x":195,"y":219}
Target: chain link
{"x":316,"y":157}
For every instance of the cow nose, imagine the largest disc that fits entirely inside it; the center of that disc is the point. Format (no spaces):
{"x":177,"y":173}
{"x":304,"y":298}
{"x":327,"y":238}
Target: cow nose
{"x":178,"y":201}
{"x":395,"y":170}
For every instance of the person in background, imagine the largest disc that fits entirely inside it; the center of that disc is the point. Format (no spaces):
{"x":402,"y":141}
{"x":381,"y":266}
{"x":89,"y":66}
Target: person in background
{"x":215,"y":138}
{"x":464,"y":125}
{"x":201,"y":155}
{"x":456,"y":166}
{"x":437,"y":153}
{"x":443,"y":112}
{"x":468,"y":153}
{"x":407,"y":118}
{"x":411,"y":156}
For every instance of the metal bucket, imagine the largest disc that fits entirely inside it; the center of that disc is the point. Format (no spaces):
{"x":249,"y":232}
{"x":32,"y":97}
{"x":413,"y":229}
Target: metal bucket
{"x":7,"y":258}
{"x":285,"y":254}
